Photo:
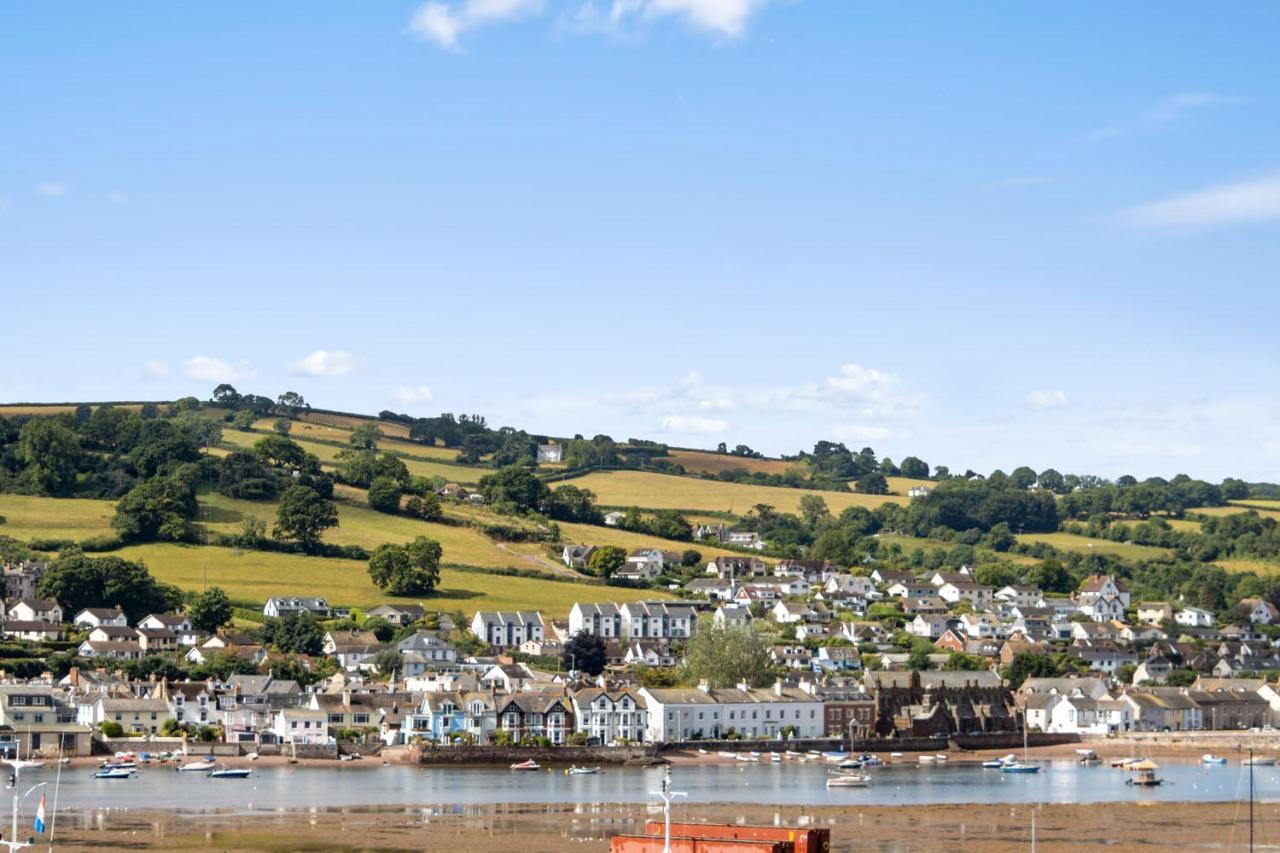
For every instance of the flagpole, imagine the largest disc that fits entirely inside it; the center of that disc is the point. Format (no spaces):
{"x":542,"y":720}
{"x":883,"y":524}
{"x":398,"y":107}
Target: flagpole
{"x":57,"y":781}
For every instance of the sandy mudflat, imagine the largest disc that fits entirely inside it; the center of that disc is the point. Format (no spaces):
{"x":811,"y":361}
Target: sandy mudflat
{"x":521,"y":828}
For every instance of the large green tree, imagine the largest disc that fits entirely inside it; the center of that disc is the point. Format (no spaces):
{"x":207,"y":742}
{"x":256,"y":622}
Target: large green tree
{"x":210,"y":610}
{"x":384,"y":495}
{"x":159,"y":509}
{"x":412,"y":569}
{"x":585,"y":653}
{"x":77,"y":581}
{"x":727,"y":655}
{"x":51,"y":452}
{"x":303,"y":516}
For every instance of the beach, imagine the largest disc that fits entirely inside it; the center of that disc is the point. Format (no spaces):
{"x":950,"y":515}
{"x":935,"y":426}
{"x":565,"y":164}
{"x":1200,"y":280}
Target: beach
{"x":1127,"y":825}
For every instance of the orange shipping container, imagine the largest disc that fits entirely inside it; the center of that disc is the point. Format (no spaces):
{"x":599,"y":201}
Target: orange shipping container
{"x":808,"y":840}
{"x":651,"y":844}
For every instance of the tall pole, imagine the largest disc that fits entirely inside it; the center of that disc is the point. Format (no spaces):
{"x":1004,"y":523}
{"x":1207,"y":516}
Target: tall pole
{"x":1250,"y":800}
{"x":667,"y":795}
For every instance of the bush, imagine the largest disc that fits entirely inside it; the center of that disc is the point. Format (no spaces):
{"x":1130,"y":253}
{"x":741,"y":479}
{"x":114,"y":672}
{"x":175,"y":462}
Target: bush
{"x":384,"y":495}
{"x":110,"y":728}
{"x":107,"y":542}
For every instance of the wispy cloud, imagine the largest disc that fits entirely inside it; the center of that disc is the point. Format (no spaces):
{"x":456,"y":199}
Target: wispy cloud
{"x":337,"y":362}
{"x":155,"y":369}
{"x":721,"y":18}
{"x":209,"y":369}
{"x":1163,"y":112}
{"x":444,"y":23}
{"x":693,"y":425}
{"x":410,"y":395}
{"x":1047,"y":399}
{"x":1239,"y":203}
{"x":117,"y":198}
{"x":51,"y":189}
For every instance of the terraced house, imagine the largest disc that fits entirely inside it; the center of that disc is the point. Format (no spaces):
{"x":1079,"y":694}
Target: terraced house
{"x":505,"y":629}
{"x":536,"y":715}
{"x":677,"y":714}
{"x":610,"y":716}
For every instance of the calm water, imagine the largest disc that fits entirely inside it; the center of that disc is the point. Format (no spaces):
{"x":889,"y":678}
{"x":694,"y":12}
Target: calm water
{"x":371,"y":784}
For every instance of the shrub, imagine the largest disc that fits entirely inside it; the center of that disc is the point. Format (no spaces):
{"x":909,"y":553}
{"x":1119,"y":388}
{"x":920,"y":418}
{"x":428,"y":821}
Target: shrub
{"x":110,"y":728}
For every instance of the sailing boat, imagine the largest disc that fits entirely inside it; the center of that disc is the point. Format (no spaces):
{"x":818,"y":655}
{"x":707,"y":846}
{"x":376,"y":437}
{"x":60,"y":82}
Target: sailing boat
{"x":1023,"y":766}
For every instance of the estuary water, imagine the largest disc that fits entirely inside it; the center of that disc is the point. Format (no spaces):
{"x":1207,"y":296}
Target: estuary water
{"x":369,"y":784}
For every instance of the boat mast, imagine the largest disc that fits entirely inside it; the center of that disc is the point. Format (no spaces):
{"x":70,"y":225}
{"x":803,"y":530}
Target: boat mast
{"x":667,"y":795}
{"x":1250,"y":800}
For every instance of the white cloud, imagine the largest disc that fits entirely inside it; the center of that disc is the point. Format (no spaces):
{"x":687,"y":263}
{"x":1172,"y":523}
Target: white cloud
{"x":1163,"y":112}
{"x":336,"y":362}
{"x":1242,"y":202}
{"x":443,"y":23}
{"x":216,"y":370}
{"x":51,"y":189}
{"x":155,"y":369}
{"x":723,"y":18}
{"x":117,"y":198}
{"x":692,"y":424}
{"x":407,"y":395}
{"x":1047,"y":399}
{"x":859,"y":432}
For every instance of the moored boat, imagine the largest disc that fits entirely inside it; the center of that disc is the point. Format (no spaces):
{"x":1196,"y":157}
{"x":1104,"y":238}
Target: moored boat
{"x":230,"y":773}
{"x":527,"y":765}
{"x":849,"y":780}
{"x":113,"y":773}
{"x":1260,"y":761}
{"x":197,"y":766}
{"x":1210,"y":758}
{"x":993,"y":764}
{"x":1144,"y":774}
{"x":582,"y":771}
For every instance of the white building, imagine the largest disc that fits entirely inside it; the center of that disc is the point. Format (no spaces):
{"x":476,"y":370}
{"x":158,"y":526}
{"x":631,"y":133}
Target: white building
{"x":504,"y":629}
{"x":610,"y":716}
{"x":1194,"y":617}
{"x":676,"y":714}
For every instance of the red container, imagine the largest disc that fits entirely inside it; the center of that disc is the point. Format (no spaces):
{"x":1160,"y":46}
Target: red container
{"x":808,"y":840}
{"x":653,"y":844}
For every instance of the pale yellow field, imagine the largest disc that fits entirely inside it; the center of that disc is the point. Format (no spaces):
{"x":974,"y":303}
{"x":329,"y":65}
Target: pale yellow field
{"x":1234,"y":510}
{"x":662,"y":491}
{"x":390,"y":428}
{"x":1085,"y":545}
{"x":1260,"y":567}
{"x":1258,"y":503}
{"x":258,"y":575}
{"x":327,"y":453}
{"x":28,"y":517}
{"x":714,"y":463}
{"x":900,"y":485}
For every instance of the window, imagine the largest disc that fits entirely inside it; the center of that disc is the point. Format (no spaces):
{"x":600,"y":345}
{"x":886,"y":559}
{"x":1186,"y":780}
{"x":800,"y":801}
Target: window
{"x":336,"y":719}
{"x":17,"y":718}
{"x":18,"y":700}
{"x":39,"y":718}
{"x":361,"y":718}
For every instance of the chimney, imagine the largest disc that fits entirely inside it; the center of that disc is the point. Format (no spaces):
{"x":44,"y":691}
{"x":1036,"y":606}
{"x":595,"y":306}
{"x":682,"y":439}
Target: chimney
{"x":777,"y":687}
{"x":75,"y":676}
{"x":704,"y":685}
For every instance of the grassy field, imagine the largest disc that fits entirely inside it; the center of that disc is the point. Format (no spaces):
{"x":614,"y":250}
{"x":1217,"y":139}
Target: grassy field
{"x":258,"y":575}
{"x":1235,"y":509}
{"x":714,"y":463}
{"x":1184,"y":525}
{"x":1261,"y":567}
{"x":1258,"y":503}
{"x":901,"y":485}
{"x":663,"y":491}
{"x":326,"y":453}
{"x":1085,"y":545}
{"x":30,"y":517}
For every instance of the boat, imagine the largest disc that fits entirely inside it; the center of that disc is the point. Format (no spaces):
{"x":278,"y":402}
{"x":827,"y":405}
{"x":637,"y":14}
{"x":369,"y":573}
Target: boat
{"x":1088,"y":758}
{"x":849,"y":780}
{"x":791,"y":753}
{"x":871,"y":761}
{"x":732,"y":755}
{"x":118,"y":765}
{"x":835,"y":756}
{"x":1259,"y":761}
{"x":582,"y":771}
{"x":113,"y":773}
{"x":1124,"y":762}
{"x":775,"y":758}
{"x":197,"y":767}
{"x":940,"y":758}
{"x":850,"y":764}
{"x":1144,"y":774}
{"x":992,"y":764}
{"x":230,"y":773}
{"x":926,"y":759}
{"x":1023,"y":766}
{"x":749,"y":758}
{"x":527,"y":765}
{"x":1210,"y":758}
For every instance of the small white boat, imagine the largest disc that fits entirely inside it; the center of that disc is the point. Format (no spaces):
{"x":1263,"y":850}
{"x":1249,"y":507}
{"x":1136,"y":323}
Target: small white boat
{"x":850,"y":764}
{"x":582,"y":771}
{"x":926,"y":759}
{"x":1260,"y":761}
{"x":748,"y":758}
{"x":230,"y":773}
{"x":701,"y":751}
{"x":940,"y":757}
{"x":849,"y":780}
{"x":1210,"y":758}
{"x":992,"y":764}
{"x":775,"y":758}
{"x":118,"y":765}
{"x":895,"y":755}
{"x":114,"y":773}
{"x":835,"y":756}
{"x":253,"y":756}
{"x":527,"y":765}
{"x":722,"y":754}
{"x":197,"y":767}
{"x":792,"y":754}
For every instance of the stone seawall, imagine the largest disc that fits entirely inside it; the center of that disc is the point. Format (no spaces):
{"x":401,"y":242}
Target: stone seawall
{"x":562,"y":755}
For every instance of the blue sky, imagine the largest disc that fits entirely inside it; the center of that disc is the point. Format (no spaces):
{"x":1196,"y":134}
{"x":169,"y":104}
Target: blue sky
{"x":985,"y":234}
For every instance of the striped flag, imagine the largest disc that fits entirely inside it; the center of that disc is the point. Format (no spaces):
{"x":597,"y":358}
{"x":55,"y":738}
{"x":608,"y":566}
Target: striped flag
{"x":40,"y":814}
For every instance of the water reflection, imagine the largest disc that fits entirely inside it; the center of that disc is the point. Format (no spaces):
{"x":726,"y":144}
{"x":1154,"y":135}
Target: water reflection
{"x":491,"y":794}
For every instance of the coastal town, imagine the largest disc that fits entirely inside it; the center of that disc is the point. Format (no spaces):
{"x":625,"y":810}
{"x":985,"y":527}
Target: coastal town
{"x":961,"y":664}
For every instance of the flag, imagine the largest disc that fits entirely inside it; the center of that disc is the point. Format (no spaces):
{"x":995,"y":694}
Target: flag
{"x":40,"y":814}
